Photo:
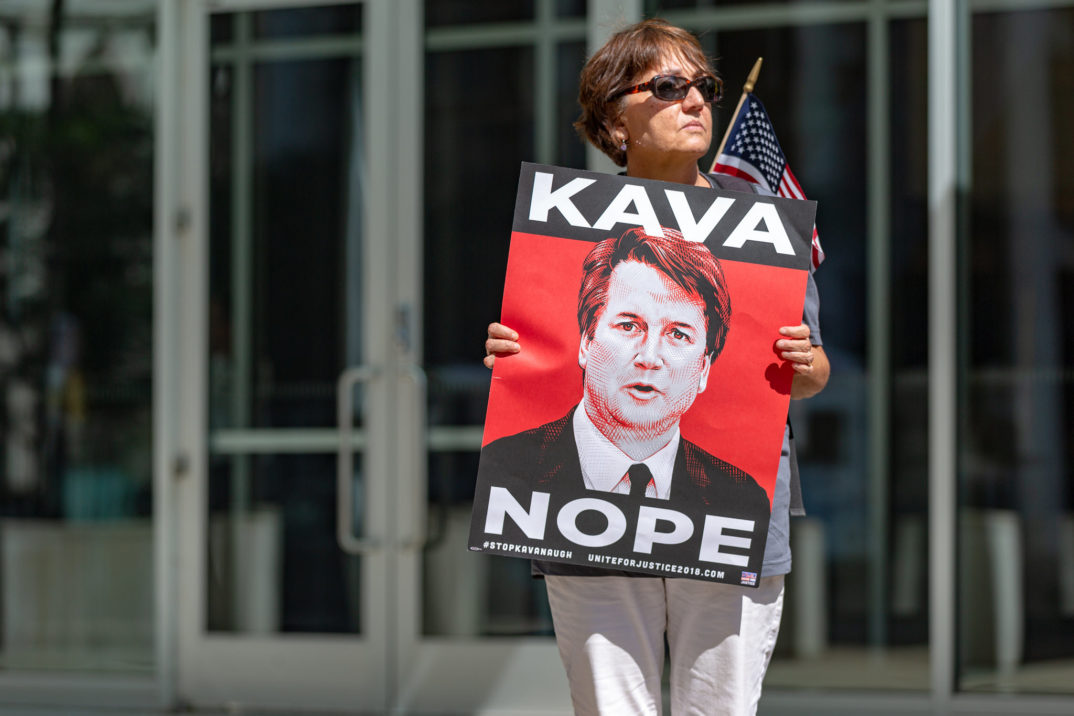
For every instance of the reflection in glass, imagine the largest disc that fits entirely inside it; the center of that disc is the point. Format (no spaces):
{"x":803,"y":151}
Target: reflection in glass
{"x":76,"y":191}
{"x":465,"y":593}
{"x":1016,"y":522}
{"x":273,"y":562}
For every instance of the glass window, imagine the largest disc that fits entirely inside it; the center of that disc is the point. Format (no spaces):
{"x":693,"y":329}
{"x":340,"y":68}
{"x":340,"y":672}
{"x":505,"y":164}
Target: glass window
{"x":284,"y":321}
{"x":906,"y":569}
{"x":221,"y":29}
{"x":656,"y":7}
{"x":440,"y":13}
{"x":307,"y":21}
{"x":1016,"y":520}
{"x":76,"y":237}
{"x":813,"y":83}
{"x":475,"y":143}
{"x":297,"y":210}
{"x":570,"y":150}
{"x":571,"y":8}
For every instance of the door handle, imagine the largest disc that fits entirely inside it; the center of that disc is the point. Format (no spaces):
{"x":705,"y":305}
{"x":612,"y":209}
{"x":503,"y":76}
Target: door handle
{"x":415,"y":374}
{"x":345,"y":461}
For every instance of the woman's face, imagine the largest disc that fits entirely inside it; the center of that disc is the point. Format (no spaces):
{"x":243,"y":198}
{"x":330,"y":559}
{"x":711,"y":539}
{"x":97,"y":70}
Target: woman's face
{"x":665,"y":130}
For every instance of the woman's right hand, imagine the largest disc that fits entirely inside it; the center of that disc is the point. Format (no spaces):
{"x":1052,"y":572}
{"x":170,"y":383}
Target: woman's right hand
{"x":502,"y":341}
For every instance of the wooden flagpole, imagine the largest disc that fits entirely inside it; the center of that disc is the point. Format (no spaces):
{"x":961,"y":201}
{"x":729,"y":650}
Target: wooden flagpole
{"x":746,"y":89}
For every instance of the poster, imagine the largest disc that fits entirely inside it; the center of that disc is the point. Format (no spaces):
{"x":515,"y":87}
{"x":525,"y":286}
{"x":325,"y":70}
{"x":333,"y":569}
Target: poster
{"x":640,"y":427}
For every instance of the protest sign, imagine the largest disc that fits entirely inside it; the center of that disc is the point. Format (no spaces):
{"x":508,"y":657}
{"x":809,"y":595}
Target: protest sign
{"x":640,"y":428}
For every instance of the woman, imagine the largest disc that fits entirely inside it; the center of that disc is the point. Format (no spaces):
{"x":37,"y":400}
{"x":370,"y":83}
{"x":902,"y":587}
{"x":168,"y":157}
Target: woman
{"x":646,"y":99}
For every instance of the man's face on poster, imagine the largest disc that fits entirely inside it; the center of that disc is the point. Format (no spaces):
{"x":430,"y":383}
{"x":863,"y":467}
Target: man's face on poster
{"x":646,"y":361}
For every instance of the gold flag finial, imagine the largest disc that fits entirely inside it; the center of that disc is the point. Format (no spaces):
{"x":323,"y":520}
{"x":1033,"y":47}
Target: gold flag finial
{"x":752,"y":79}
{"x":746,"y":89}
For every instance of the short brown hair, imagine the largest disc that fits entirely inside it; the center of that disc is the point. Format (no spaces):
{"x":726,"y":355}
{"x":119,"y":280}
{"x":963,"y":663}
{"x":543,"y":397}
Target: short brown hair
{"x":690,"y":265}
{"x":627,"y":53}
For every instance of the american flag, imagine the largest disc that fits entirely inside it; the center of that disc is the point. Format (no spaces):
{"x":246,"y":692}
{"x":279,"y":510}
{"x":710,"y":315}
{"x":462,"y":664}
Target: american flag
{"x":752,"y":152}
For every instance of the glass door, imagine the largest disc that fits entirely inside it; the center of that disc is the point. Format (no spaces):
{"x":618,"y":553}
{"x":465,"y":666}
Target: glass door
{"x":475,"y":632}
{"x":328,"y":570}
{"x":284,"y":518}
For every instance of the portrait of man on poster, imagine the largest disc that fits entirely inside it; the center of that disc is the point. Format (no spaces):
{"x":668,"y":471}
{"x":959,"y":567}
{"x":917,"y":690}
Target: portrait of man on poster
{"x":653,"y":315}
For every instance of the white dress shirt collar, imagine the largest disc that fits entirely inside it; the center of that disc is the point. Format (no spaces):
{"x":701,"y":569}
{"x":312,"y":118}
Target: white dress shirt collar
{"x":604,"y":466}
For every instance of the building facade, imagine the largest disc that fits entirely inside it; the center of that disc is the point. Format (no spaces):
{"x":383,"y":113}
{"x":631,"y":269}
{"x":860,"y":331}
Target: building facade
{"x":249,"y":249}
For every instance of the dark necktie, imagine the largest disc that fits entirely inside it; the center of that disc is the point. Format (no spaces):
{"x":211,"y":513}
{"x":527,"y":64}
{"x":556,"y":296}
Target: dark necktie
{"x":639,"y":479}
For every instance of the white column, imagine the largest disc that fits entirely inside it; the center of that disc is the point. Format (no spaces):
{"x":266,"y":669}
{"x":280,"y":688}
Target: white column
{"x":603,"y":19}
{"x":943,"y":194}
{"x":167,"y":150}
{"x":878,"y":260}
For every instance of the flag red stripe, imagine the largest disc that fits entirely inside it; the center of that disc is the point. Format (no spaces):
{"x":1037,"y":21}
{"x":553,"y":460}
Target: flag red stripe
{"x":792,"y":190}
{"x":790,"y":175}
{"x":785,"y":190}
{"x":730,"y":165}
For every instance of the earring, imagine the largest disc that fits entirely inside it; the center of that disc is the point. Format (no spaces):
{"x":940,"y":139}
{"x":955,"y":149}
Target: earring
{"x":622,"y":146}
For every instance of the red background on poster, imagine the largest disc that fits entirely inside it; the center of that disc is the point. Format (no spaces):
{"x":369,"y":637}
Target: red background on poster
{"x":738,"y":418}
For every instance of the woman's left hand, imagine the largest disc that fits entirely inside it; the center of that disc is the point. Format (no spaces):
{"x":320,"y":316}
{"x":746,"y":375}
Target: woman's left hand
{"x":809,"y":362}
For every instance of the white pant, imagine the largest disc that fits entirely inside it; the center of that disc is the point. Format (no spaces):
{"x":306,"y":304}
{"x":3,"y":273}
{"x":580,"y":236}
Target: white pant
{"x":610,"y":633}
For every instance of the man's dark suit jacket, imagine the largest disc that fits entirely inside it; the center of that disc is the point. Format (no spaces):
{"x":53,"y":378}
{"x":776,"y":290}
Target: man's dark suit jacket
{"x":546,"y":455}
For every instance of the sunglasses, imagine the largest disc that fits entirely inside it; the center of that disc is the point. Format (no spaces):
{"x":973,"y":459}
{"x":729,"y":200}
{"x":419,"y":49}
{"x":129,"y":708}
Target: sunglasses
{"x":672,"y":87}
